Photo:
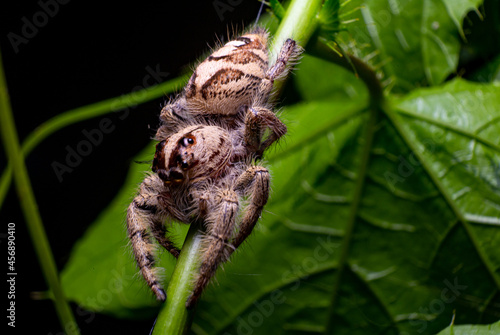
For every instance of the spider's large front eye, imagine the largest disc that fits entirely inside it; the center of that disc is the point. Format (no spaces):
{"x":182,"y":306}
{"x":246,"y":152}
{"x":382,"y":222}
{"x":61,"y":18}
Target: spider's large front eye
{"x":186,"y":141}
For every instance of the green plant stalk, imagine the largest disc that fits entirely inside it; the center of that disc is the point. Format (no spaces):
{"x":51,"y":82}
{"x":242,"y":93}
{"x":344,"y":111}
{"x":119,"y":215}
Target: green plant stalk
{"x":174,"y":318}
{"x":299,"y":23}
{"x":84,"y":113}
{"x":30,"y":208}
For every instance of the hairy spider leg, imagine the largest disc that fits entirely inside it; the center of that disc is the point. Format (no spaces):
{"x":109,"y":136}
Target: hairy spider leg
{"x":145,"y":217}
{"x":254,"y":182}
{"x":220,"y":224}
{"x":259,"y":117}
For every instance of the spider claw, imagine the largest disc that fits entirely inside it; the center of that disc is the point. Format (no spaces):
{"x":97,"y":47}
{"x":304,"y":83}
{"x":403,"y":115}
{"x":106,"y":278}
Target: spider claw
{"x":160,"y":293}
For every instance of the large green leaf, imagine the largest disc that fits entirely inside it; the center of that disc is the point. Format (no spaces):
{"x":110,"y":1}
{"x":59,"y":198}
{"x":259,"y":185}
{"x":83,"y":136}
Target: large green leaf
{"x":414,"y":42}
{"x":420,"y":245}
{"x":492,"y":329}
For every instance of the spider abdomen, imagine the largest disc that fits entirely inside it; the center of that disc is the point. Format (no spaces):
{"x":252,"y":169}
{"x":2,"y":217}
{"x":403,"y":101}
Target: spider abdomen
{"x":230,"y":77}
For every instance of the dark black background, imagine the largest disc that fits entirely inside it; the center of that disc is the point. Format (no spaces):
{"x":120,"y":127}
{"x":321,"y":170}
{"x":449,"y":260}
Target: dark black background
{"x":87,"y":52}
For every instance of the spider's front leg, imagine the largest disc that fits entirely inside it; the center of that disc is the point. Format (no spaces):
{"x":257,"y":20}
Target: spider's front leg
{"x":220,"y":221}
{"x":145,"y":217}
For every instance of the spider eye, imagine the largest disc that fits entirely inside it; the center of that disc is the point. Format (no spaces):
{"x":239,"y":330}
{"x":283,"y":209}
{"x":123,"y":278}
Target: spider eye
{"x":182,"y":163}
{"x":187,"y":141}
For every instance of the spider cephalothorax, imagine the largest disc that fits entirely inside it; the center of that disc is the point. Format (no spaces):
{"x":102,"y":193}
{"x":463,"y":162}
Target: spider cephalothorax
{"x":188,"y":156}
{"x":202,"y":169}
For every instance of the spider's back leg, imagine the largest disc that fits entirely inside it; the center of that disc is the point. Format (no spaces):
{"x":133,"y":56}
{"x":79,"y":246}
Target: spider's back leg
{"x":258,"y":116}
{"x":289,"y":52}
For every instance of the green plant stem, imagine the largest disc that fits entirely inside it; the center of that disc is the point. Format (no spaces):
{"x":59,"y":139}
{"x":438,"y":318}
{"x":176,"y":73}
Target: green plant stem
{"x":299,"y":23}
{"x":84,"y":113}
{"x":30,"y":208}
{"x":174,"y":318}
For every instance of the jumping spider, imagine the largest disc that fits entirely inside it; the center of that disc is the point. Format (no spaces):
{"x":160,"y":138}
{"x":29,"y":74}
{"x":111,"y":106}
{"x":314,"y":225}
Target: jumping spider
{"x":210,"y":135}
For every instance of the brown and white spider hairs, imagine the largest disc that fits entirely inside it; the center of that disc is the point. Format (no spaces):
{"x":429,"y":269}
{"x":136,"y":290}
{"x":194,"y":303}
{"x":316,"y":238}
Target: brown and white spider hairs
{"x":205,"y":168}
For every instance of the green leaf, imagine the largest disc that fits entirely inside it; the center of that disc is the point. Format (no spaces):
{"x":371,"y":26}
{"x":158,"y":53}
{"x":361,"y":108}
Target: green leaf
{"x":457,"y":9}
{"x":414,"y":43}
{"x":465,"y":115}
{"x":492,"y":329}
{"x":317,"y":79}
{"x":419,"y":249}
{"x":277,"y":9}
